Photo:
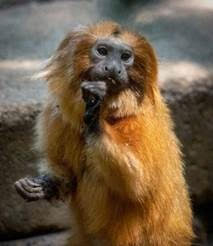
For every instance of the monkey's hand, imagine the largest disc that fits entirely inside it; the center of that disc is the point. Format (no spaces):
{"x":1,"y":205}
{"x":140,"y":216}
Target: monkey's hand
{"x":41,"y":187}
{"x":93,"y":95}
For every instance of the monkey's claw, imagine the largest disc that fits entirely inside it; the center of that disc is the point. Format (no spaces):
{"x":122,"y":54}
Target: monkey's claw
{"x":29,"y":189}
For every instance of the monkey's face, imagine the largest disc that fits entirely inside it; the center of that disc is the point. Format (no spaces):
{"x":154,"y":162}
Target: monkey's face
{"x":104,"y":52}
{"x":111,"y":60}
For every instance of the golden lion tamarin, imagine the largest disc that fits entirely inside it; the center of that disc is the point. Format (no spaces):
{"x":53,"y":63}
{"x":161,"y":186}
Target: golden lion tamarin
{"x":109,"y":143}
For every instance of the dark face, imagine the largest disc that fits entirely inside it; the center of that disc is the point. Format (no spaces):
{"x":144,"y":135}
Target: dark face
{"x":111,"y":60}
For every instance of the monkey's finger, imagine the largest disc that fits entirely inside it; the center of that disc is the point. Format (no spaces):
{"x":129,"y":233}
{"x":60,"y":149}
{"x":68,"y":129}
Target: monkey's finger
{"x":86,"y":84}
{"x":28,"y":187}
{"x":99,"y":84}
{"x":93,"y":87}
{"x":22,"y":185}
{"x":97,"y":92}
{"x":20,"y":190}
{"x":98,"y":88}
{"x":27,"y":195}
{"x":32,"y":182}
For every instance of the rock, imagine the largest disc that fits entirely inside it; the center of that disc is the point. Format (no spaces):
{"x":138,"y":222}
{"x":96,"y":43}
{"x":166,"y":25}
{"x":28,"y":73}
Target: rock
{"x":191,"y":107}
{"x":200,"y":232}
{"x":17,"y":159}
{"x":192,"y":110}
{"x":53,"y":239}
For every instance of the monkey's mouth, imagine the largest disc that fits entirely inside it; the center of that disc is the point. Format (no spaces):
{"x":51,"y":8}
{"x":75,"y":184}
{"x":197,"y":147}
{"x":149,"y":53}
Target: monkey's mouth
{"x":112,"y":81}
{"x":109,"y":80}
{"x":114,"y":86}
{"x":119,"y":83}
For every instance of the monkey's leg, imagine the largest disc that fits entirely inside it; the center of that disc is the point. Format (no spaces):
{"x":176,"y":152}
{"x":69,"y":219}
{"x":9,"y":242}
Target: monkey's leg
{"x":41,"y":187}
{"x":93,"y":95}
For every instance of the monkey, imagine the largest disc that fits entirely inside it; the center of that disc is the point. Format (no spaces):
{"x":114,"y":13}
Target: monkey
{"x":109,"y":143}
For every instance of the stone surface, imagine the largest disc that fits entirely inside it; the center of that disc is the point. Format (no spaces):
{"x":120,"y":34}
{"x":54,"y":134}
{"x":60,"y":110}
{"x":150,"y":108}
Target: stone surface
{"x":53,"y":239}
{"x":181,"y":32}
{"x":17,"y":159}
{"x":192,"y":110}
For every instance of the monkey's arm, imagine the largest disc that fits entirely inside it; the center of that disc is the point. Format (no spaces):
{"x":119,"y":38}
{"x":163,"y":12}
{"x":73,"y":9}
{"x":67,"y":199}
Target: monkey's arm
{"x":117,"y":162}
{"x":36,"y":188}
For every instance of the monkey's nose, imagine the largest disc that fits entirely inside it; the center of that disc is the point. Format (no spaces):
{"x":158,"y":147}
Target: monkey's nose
{"x":112,"y":70}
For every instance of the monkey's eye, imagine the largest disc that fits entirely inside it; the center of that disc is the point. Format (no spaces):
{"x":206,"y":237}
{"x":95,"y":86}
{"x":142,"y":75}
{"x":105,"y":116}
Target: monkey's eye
{"x":125,"y":56}
{"x":102,"y":51}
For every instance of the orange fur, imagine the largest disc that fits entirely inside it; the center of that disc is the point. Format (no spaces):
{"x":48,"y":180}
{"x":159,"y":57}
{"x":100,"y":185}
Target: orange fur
{"x":130,"y":185}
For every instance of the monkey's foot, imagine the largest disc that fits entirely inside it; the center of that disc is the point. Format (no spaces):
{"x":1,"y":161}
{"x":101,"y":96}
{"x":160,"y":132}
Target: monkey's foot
{"x":93,"y":95}
{"x":33,"y":189}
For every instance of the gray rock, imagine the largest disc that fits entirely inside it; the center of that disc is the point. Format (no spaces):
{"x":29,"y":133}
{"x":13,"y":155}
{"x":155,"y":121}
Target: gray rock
{"x":192,"y":110}
{"x":53,"y":239}
{"x":17,"y":159}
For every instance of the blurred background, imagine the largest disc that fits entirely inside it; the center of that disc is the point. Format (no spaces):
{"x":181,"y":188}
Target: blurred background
{"x":182,"y":35}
